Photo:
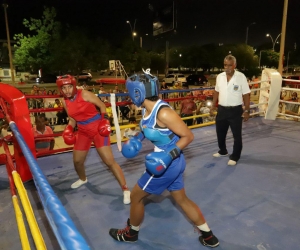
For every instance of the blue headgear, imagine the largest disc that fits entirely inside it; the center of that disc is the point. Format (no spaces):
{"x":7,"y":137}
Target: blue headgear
{"x":141,"y":86}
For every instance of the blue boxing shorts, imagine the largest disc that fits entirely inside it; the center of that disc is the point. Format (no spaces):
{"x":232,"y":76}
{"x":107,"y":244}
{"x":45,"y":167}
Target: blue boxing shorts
{"x":172,"y":179}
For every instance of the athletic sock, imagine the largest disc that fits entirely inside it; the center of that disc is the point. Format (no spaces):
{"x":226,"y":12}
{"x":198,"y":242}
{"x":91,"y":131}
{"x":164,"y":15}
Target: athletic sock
{"x":135,"y":228}
{"x":204,"y":227}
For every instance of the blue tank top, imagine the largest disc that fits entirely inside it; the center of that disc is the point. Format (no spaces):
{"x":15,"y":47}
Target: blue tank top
{"x":162,"y":138}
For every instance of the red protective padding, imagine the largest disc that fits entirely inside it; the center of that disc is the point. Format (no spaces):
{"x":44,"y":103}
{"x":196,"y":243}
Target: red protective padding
{"x":3,"y":159}
{"x":9,"y":168}
{"x":110,"y":81}
{"x":17,"y":110}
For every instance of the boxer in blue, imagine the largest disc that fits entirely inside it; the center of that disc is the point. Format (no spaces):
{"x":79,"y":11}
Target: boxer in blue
{"x":165,"y":166}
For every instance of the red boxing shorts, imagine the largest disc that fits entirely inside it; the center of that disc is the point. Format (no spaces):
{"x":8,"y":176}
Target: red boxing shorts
{"x":89,"y":133}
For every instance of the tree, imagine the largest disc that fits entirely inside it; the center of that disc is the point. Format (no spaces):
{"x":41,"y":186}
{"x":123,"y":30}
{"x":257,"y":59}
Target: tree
{"x":132,"y":57}
{"x":269,"y":59}
{"x":73,"y":53}
{"x":34,"y":51}
{"x":100,"y":55}
{"x":157,"y":62}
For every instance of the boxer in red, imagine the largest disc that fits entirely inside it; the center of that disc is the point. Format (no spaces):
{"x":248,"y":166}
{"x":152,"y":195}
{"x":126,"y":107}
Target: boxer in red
{"x":92,"y":127}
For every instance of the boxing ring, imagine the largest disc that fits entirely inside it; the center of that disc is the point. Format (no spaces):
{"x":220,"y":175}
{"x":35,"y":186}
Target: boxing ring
{"x":254,"y":205}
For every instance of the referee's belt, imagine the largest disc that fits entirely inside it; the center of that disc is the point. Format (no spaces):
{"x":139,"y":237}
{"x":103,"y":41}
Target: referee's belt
{"x":229,"y":107}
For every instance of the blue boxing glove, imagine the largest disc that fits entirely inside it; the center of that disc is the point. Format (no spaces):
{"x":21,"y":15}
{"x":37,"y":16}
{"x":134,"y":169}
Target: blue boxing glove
{"x":132,"y":147}
{"x":158,"y":162}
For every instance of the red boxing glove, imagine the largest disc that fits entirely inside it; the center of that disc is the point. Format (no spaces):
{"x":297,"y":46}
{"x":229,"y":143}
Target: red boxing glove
{"x":104,"y":116}
{"x":104,"y":128}
{"x":8,"y":138}
{"x":69,"y":136}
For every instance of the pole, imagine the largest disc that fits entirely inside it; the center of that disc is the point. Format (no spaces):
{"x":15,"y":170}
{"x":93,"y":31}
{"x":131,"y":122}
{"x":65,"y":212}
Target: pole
{"x":282,"y":41}
{"x":8,"y":45}
{"x":247,"y":32}
{"x":167,"y":58}
{"x":141,"y":42}
{"x":133,"y":33}
{"x":259,"y":59}
{"x":130,"y":30}
{"x":276,"y":41}
{"x":287,"y":63}
{"x":273,"y":44}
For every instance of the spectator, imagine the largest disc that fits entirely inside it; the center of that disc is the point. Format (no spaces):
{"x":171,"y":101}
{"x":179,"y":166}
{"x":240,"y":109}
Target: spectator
{"x":203,"y":109}
{"x":255,"y":84}
{"x":249,"y":81}
{"x":198,"y":120}
{"x":47,"y":122}
{"x":124,"y":109}
{"x":176,"y":86}
{"x":49,"y":103}
{"x":188,"y":106}
{"x":254,"y":109}
{"x":184,"y":94}
{"x":102,"y":91}
{"x":110,"y":91}
{"x":198,"y":93}
{"x":130,"y":132}
{"x":44,"y":91}
{"x":3,"y":128}
{"x":164,"y":87}
{"x":83,"y":86}
{"x":292,"y":109}
{"x":34,"y":90}
{"x":281,"y":106}
{"x":35,"y":102}
{"x":198,"y":100}
{"x":42,"y":144}
{"x":116,"y":90}
{"x":61,"y":115}
{"x":109,"y":113}
{"x":208,"y":93}
{"x":40,"y":101}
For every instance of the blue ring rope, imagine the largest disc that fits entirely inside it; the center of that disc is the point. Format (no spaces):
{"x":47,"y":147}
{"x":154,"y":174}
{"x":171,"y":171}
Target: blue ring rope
{"x":62,"y":225}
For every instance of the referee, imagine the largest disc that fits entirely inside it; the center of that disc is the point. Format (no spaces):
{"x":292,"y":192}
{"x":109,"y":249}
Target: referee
{"x":231,"y":93}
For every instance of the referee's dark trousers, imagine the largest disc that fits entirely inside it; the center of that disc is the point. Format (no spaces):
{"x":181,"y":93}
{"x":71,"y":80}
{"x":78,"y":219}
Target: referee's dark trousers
{"x":230,"y":117}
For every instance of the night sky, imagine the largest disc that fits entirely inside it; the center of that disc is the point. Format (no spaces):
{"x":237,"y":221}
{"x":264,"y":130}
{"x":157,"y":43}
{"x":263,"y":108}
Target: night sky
{"x":198,"y":21}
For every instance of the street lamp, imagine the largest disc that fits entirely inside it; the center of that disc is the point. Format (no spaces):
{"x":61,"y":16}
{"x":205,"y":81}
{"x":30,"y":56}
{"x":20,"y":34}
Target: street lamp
{"x":260,"y":58}
{"x":247,"y":31}
{"x":273,"y":42}
{"x":133,"y":33}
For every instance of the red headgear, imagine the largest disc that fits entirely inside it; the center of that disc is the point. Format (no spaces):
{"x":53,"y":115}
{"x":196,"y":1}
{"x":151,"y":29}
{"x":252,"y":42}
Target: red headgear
{"x":66,"y":80}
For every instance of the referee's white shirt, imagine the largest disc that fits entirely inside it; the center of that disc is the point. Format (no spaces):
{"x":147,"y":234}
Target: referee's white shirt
{"x":231,"y":93}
